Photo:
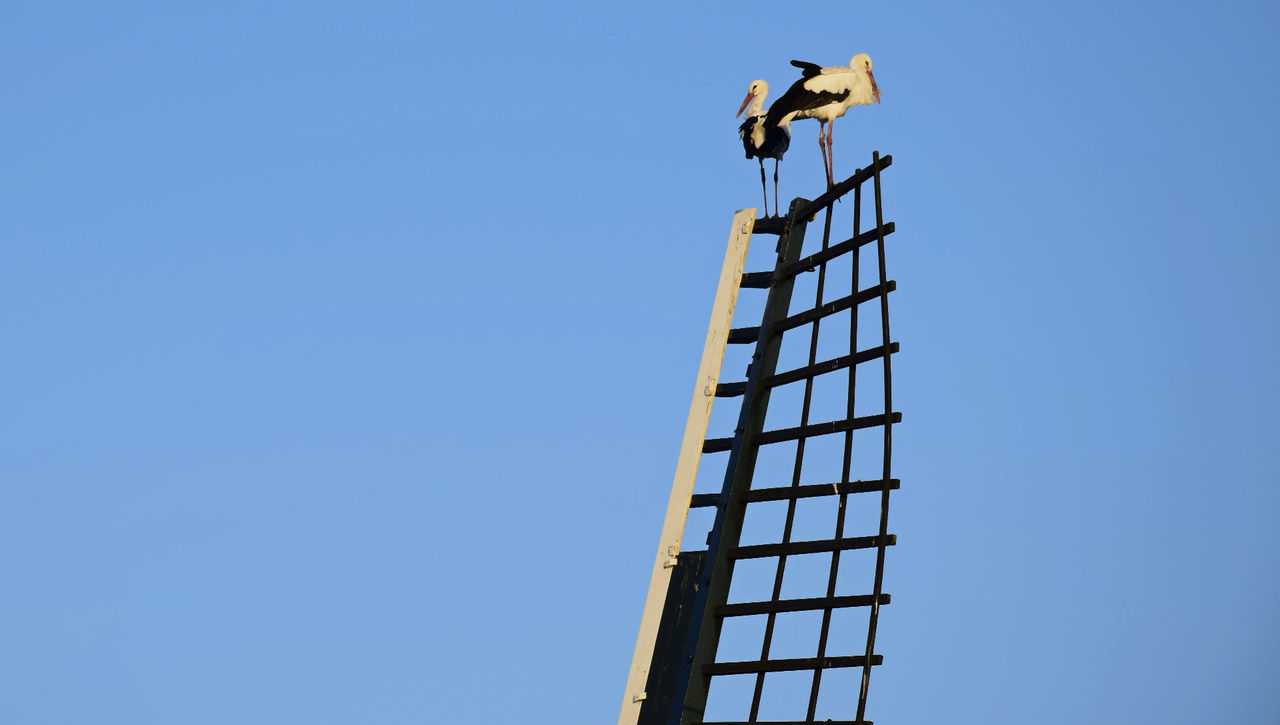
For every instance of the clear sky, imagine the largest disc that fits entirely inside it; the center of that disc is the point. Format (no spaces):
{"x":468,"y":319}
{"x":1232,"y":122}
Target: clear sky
{"x":347,"y":349}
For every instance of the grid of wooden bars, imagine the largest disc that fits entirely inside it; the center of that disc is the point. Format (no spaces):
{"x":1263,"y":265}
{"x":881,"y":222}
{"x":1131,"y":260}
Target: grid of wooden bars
{"x":710,"y":605}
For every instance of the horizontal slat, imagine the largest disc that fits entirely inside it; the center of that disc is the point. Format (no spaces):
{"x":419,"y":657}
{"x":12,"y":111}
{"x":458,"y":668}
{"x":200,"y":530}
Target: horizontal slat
{"x":785,"y":493}
{"x":834,"y":426}
{"x":766,"y":225}
{"x":785,"y":722}
{"x":827,"y":366}
{"x":805,"y":663}
{"x":703,"y":500}
{"x":717,"y":445}
{"x":756,"y":280}
{"x":844,"y":187}
{"x":830,"y":308}
{"x":730,"y":390}
{"x":742,"y":335}
{"x":797,"y":605}
{"x":830,"y":253}
{"x":809,"y":547}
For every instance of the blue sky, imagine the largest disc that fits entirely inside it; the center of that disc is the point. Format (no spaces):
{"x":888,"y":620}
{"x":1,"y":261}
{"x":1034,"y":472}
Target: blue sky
{"x":347,"y":350}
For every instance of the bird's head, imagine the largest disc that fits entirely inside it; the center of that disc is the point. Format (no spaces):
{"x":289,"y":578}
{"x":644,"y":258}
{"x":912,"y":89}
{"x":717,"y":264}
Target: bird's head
{"x":757,"y":89}
{"x":862,"y":62}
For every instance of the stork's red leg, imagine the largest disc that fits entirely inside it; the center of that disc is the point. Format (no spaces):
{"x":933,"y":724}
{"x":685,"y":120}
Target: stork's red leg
{"x":831,"y":155}
{"x":822,"y":146}
{"x":831,"y":179}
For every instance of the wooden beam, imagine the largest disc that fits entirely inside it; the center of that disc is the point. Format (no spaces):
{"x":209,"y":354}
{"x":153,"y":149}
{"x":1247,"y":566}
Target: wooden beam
{"x":695,"y":430}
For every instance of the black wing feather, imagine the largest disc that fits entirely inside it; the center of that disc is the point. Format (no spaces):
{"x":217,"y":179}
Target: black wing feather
{"x":799,"y":98}
{"x":744,"y":133}
{"x":807,"y":69}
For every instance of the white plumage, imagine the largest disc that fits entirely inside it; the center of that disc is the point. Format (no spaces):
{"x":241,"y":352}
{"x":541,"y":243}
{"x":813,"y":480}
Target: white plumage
{"x":760,"y":140}
{"x":825,"y":93}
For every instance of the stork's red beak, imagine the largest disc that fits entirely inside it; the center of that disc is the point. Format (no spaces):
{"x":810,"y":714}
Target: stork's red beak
{"x":745,"y":102}
{"x":875,"y":91}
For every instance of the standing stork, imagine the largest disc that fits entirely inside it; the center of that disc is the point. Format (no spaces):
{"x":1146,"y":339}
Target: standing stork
{"x":825,"y":94}
{"x":761,"y":140}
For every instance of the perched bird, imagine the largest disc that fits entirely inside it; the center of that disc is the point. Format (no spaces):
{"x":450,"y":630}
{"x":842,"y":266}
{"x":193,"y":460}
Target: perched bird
{"x":761,"y":140}
{"x":825,"y":94}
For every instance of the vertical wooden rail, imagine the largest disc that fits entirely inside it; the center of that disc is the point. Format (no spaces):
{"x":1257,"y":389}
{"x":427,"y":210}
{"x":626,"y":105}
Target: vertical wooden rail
{"x":888,"y":445}
{"x":692,"y":682}
{"x":846,"y":469}
{"x":695,"y":431}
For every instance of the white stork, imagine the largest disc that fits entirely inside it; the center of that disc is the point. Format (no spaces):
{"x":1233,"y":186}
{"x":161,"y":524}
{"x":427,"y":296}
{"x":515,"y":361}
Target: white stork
{"x":825,"y":94}
{"x":760,"y":140}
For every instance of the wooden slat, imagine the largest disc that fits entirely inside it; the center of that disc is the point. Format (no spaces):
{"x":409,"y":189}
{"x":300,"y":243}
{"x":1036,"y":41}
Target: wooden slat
{"x":834,"y":426}
{"x":775,"y":225}
{"x":730,"y":390}
{"x":704,"y":500}
{"x":809,"y":209}
{"x":742,"y":609}
{"x":717,"y":445}
{"x":790,"y":665}
{"x":827,"y":366}
{"x":813,"y":490}
{"x":834,"y":306}
{"x":830,"y":253}
{"x":791,"y":548}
